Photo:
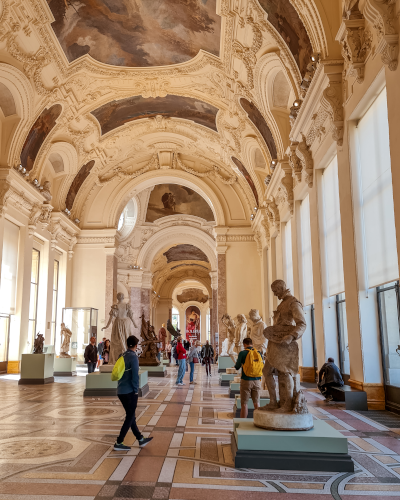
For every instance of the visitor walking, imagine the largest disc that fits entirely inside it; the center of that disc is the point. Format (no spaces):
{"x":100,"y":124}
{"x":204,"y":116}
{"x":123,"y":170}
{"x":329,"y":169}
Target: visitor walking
{"x":106,"y":352}
{"x":181,"y":352}
{"x":193,"y":358}
{"x":207,"y":354}
{"x":128,"y":393}
{"x":91,"y":355}
{"x":329,"y":375}
{"x":250,"y":382}
{"x":100,"y":347}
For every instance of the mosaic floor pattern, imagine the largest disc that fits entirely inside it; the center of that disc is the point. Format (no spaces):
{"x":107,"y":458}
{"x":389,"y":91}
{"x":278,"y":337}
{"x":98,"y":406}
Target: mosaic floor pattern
{"x":56,"y":444}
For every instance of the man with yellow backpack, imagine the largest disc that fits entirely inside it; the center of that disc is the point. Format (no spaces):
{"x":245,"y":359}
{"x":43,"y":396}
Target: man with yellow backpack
{"x":251,"y":363}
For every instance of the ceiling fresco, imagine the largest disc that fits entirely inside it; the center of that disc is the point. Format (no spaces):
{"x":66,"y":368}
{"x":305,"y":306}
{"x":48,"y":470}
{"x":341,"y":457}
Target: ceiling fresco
{"x":247,"y":176}
{"x":116,"y":113}
{"x":185,"y":252}
{"x":258,"y":120}
{"x":139,"y":33}
{"x":77,"y":183}
{"x":37,"y":135}
{"x":284,"y":18}
{"x":173,"y":199}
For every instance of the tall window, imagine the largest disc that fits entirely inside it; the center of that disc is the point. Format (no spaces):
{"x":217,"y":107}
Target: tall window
{"x":9,"y":266}
{"x":332,"y":229}
{"x":33,"y":301}
{"x":343,"y":334}
{"x":306,"y":257}
{"x":288,"y":255}
{"x":376,"y":194}
{"x":175,"y":318}
{"x":389,"y":307}
{"x":55,"y":300}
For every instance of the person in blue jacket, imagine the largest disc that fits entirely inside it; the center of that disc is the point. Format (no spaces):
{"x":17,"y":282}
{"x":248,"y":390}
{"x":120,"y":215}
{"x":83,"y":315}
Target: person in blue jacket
{"x":128,"y":393}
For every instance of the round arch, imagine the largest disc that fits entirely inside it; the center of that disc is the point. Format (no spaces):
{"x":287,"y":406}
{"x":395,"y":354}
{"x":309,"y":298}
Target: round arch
{"x":168,"y":287}
{"x":177,"y":235}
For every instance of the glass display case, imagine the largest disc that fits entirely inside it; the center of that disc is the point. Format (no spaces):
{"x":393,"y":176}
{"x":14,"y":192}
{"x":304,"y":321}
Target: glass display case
{"x":82,"y":321}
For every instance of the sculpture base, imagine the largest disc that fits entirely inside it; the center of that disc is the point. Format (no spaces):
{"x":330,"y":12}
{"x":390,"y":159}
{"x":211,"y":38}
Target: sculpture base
{"x":37,"y":369}
{"x":250,"y":406}
{"x":273,"y":421}
{"x":234,"y":389}
{"x":224,"y":362}
{"x":100,"y":384}
{"x":106,"y":368}
{"x":231,"y":371}
{"x":64,"y":367}
{"x":149,"y":362}
{"x":225,"y":378}
{"x":154,"y":371}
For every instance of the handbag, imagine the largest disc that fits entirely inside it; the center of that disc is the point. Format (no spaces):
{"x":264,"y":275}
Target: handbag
{"x":195,"y":360}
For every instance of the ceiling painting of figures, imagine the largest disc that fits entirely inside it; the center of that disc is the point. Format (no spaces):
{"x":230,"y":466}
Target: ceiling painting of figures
{"x":116,"y":113}
{"x":173,"y":199}
{"x":185,"y":252}
{"x":77,"y":183}
{"x":284,"y":18}
{"x":247,"y":176}
{"x":136,"y":33}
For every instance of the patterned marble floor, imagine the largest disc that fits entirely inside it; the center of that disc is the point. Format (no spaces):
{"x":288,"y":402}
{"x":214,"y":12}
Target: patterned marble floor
{"x":56,"y":444}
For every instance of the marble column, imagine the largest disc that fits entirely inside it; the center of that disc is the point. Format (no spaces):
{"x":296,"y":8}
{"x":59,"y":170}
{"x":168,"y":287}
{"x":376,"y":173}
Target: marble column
{"x":136,"y":306}
{"x":145,"y":294}
{"x":111,"y":284}
{"x":221,"y":297}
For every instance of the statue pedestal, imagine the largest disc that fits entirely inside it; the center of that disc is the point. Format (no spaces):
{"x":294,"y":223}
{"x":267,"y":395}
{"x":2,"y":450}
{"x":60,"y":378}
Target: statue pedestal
{"x":100,"y":384}
{"x":272,"y":420}
{"x":234,"y":388}
{"x":322,"y":448}
{"x":64,"y":367}
{"x":250,"y":406}
{"x":224,"y":362}
{"x":155,"y":371}
{"x":226,"y":378}
{"x":106,"y":368}
{"x":37,"y":369}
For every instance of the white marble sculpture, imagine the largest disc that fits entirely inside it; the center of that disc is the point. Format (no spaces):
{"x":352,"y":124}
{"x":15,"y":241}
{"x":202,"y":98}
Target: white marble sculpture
{"x":257,"y":331}
{"x":66,"y":335}
{"x":241,"y":332}
{"x":231,"y":339}
{"x":290,"y":412}
{"x":122,"y":315}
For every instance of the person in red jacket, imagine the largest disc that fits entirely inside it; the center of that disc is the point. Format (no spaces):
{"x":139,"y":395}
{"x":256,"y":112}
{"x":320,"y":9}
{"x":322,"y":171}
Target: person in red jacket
{"x":181,"y":361}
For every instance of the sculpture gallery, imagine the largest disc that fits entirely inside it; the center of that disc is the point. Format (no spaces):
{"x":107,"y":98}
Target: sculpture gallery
{"x":290,"y":412}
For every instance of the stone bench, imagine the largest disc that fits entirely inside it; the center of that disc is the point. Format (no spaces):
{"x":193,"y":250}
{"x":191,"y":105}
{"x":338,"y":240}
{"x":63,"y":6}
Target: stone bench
{"x":354,"y":398}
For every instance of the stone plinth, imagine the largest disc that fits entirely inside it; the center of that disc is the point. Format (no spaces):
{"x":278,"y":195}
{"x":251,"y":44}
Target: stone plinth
{"x":224,"y":362}
{"x":320,"y":449}
{"x":37,"y":369}
{"x":234,"y":389}
{"x":106,"y":368}
{"x":225,"y":378}
{"x":250,"y":406}
{"x":273,"y":420}
{"x":100,"y":384}
{"x":64,"y":367}
{"x":155,"y":371}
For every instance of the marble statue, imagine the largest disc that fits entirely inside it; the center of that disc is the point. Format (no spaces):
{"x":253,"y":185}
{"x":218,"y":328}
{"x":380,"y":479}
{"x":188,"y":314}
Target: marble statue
{"x":229,"y":347}
{"x":162,"y":335}
{"x":122,"y":315}
{"x":66,"y":335}
{"x":38,"y":344}
{"x":257,"y":331}
{"x":148,"y":357}
{"x":289,"y":324}
{"x":241,"y":332}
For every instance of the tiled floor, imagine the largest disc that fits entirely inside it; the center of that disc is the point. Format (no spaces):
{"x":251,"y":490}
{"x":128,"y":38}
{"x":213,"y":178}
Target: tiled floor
{"x":56,"y":445}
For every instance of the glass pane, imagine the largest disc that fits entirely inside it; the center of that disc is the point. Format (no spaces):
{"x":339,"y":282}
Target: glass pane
{"x":31,"y":335}
{"x":35,"y":266}
{"x":33,"y":302}
{"x":390,"y":334}
{"x":344,"y":338}
{"x":55,"y":275}
{"x":54,"y":311}
{"x":4,"y":324}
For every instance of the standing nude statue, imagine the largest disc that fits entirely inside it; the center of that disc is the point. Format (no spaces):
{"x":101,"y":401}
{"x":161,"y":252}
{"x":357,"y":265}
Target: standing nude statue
{"x":257,"y":331}
{"x":66,"y":335}
{"x":121,"y":330}
{"x":241,"y":331}
{"x":283,"y":350}
{"x":229,"y":343}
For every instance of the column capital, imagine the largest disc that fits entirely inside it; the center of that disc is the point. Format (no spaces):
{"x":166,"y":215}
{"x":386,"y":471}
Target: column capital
{"x":214,"y":279}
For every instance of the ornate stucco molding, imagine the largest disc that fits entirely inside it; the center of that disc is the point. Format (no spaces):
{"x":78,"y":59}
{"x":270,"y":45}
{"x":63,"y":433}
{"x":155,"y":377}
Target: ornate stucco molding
{"x":356,"y":43}
{"x":332,"y":102}
{"x":384,"y":18}
{"x":304,"y":153}
{"x":286,"y":186}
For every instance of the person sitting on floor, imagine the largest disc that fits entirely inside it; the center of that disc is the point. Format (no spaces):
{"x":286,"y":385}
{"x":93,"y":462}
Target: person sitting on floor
{"x":329,"y":375}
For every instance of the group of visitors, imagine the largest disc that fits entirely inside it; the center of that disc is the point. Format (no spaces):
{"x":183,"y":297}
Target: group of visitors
{"x":184,"y":351}
{"x":96,"y":356}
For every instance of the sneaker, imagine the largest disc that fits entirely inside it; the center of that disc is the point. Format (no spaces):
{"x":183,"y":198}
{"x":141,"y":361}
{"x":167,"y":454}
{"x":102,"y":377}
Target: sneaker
{"x":144,"y":441}
{"x":121,"y":447}
{"x":180,"y":383}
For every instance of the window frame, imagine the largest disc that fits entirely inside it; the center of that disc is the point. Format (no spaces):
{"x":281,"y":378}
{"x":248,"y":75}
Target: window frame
{"x":34,"y":320}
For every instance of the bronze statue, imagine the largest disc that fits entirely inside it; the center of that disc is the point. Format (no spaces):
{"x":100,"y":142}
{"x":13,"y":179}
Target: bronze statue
{"x":38,"y":344}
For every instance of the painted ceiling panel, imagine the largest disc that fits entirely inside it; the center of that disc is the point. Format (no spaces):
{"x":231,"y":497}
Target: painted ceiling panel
{"x":257,"y":118}
{"x":247,"y":176}
{"x":284,"y":18}
{"x":139,"y":33}
{"x":77,"y":183}
{"x":173,"y":199}
{"x":116,"y":113}
{"x":185,"y":252}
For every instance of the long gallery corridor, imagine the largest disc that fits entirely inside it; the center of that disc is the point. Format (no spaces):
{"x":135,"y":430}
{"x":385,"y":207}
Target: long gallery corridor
{"x":56,"y":444}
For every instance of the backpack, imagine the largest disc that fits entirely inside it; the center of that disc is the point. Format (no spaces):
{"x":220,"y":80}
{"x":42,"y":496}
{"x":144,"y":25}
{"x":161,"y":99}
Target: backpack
{"x":175,"y":353}
{"x":253,"y":364}
{"x":119,"y":369}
